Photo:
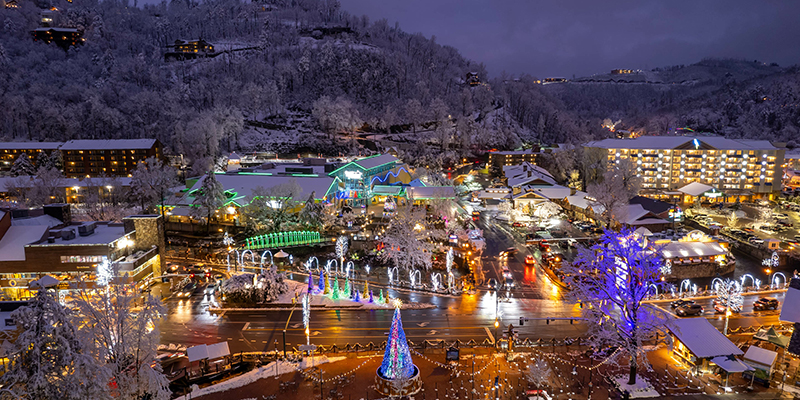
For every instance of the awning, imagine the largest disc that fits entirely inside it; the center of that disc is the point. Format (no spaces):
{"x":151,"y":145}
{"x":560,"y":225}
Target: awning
{"x":196,"y":353}
{"x":181,"y":211}
{"x":218,"y":350}
{"x":731,"y":364}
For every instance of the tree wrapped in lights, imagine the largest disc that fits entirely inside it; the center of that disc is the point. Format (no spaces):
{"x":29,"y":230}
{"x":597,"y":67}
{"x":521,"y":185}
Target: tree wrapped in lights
{"x":381,"y":300}
{"x":321,"y":282}
{"x":366,"y":291}
{"x":335,"y":290}
{"x":342,"y":244}
{"x":310,"y":283}
{"x":397,"y":364}
{"x":347,"y":292}
{"x":612,"y":280}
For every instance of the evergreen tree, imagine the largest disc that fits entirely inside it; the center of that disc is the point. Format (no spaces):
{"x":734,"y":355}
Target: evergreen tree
{"x":55,"y":160}
{"x":22,"y":166}
{"x":42,"y":160}
{"x":208,"y":199}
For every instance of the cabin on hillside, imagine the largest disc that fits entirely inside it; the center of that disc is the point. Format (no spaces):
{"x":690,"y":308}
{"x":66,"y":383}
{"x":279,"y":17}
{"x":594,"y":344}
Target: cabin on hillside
{"x":186,"y":49}
{"x":63,"y":37}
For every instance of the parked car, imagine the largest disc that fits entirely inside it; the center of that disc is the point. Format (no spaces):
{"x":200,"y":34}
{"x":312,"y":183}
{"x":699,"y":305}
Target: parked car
{"x":765,"y":303}
{"x":681,"y":303}
{"x":689,"y":309}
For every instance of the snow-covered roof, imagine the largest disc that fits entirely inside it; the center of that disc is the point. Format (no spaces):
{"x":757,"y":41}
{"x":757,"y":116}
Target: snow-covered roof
{"x":375,"y":161}
{"x":109,"y":144}
{"x":104,"y":234}
{"x":42,"y":220}
{"x":554,"y":192}
{"x":695,"y":189}
{"x":495,"y":193}
{"x":6,"y":182}
{"x":527,"y":174}
{"x":730,"y":364}
{"x":56,"y":29}
{"x":431,"y":192}
{"x":12,"y":244}
{"x":654,"y":206}
{"x":583,"y":203}
{"x":241,"y":186}
{"x":701,"y":338}
{"x":636,"y":215}
{"x":760,"y":357}
{"x":383,"y":190}
{"x":673,"y":142}
{"x":513,"y":152}
{"x":30,"y":145}
{"x":692,"y":249}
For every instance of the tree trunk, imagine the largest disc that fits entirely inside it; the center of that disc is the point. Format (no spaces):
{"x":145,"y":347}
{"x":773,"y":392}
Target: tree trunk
{"x":632,"y":377}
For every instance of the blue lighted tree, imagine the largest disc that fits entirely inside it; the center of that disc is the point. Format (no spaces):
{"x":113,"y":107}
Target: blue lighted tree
{"x":611,"y":281}
{"x":397,"y":363}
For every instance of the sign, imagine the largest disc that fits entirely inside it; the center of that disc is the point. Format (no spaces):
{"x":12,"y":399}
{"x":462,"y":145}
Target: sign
{"x":676,"y":214}
{"x":356,"y":175}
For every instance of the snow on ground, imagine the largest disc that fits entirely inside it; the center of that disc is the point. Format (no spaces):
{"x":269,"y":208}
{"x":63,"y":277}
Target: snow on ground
{"x":269,"y":370}
{"x":298,"y":289}
{"x":642,"y":388}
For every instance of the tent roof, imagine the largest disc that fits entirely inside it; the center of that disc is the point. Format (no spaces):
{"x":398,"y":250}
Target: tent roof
{"x":771,"y":336}
{"x":701,"y":338}
{"x":695,"y":189}
{"x":643,"y":231}
{"x":692,"y":249}
{"x":757,"y":355}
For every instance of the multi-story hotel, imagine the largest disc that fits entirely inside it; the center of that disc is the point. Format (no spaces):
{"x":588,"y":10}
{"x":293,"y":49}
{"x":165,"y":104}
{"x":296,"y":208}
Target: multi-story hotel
{"x":10,"y":151}
{"x":106,"y":157}
{"x":737,"y":168}
{"x":500,"y":159}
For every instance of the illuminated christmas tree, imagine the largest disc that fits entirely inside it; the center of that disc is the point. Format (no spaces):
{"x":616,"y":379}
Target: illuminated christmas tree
{"x":370,"y":297}
{"x":347,"y":294}
{"x":397,"y":364}
{"x":310,"y":283}
{"x":365,"y":294}
{"x":356,"y":295}
{"x":380,"y":297}
{"x":325,"y":283}
{"x":335,"y":290}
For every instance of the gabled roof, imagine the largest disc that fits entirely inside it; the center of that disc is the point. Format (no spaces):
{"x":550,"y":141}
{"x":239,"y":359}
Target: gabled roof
{"x":701,"y":338}
{"x":654,"y":206}
{"x":554,"y":192}
{"x":110,"y":144}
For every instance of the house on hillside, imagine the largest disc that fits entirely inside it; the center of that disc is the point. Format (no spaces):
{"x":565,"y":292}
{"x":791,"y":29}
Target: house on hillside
{"x":472,"y":79}
{"x":63,"y":37}
{"x":186,"y":49}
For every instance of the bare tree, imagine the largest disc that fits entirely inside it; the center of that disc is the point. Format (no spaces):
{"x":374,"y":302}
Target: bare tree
{"x":151,"y":182}
{"x":271,"y":207}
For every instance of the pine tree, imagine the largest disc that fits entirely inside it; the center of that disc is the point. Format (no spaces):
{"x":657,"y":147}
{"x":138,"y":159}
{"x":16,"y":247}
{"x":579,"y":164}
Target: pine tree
{"x":22,"y":166}
{"x":397,"y":363}
{"x":55,"y":160}
{"x":208,"y":199}
{"x":42,"y":160}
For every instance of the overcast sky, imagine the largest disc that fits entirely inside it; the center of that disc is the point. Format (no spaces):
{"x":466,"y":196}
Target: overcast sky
{"x":583,"y":37}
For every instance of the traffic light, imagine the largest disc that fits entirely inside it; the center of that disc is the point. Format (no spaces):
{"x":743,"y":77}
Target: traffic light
{"x":521,"y":321}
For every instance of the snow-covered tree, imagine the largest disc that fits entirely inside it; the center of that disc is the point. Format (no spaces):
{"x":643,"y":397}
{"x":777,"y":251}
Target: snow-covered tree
{"x":121,"y":331}
{"x":311,"y":213}
{"x":539,"y":373}
{"x":272,"y":207}
{"x":105,"y":199}
{"x":22,"y":166}
{"x":546,"y":210}
{"x":409,"y":240}
{"x":611,"y":281}
{"x":48,"y":359}
{"x":250,"y":288}
{"x":414,"y":113}
{"x":733,"y":219}
{"x":151,"y":182}
{"x":208,"y":199}
{"x":336,"y":115}
{"x":620,"y":184}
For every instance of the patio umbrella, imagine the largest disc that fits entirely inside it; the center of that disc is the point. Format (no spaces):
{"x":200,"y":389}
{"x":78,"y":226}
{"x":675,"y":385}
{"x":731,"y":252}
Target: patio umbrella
{"x":281,"y":254}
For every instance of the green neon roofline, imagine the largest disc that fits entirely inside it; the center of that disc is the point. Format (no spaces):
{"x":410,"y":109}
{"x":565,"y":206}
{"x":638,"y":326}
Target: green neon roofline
{"x":354,"y":162}
{"x":255,"y":173}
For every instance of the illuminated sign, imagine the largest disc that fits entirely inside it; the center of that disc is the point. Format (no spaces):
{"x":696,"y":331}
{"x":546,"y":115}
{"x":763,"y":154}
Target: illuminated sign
{"x":713,"y":193}
{"x":357,"y":175}
{"x":696,"y":144}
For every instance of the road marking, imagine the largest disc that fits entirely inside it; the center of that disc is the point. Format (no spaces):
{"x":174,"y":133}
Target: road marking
{"x":241,"y":340}
{"x":247,"y":325}
{"x":491,"y":338}
{"x":263,"y":341}
{"x":230,"y":338}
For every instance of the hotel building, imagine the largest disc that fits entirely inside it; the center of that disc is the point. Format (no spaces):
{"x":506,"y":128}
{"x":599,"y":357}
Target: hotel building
{"x":738,"y":168}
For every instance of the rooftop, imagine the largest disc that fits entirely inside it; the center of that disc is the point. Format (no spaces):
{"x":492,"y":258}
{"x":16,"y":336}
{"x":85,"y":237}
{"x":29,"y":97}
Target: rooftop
{"x":376,"y":161}
{"x":692,"y":249}
{"x":12,"y":244}
{"x":110,"y":144}
{"x":431,"y":192}
{"x":241,"y":186}
{"x":30,"y":145}
{"x":674,"y":142}
{"x":104,"y":234}
{"x":701,"y":338}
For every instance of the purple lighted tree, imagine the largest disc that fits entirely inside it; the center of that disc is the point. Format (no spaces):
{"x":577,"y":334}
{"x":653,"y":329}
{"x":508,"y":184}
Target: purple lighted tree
{"x":397,"y":363}
{"x":611,"y":280}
